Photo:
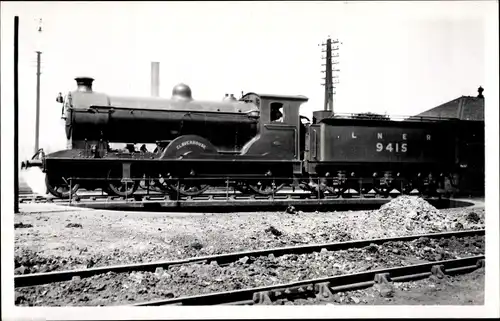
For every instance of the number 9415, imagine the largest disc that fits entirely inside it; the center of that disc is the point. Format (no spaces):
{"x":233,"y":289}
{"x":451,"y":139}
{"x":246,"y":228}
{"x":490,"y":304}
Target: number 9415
{"x":392,"y":147}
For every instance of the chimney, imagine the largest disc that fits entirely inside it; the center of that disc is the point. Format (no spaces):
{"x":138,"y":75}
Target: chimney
{"x":155,"y":79}
{"x":84,"y":84}
{"x":480,"y":91}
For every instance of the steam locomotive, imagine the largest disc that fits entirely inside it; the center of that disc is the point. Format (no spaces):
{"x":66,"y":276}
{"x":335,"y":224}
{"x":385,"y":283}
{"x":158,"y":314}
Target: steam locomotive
{"x":257,"y":144}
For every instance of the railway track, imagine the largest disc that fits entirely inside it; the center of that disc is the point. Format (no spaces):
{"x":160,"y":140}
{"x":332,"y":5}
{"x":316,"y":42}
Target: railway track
{"x":324,"y":288}
{"x":225,"y":259}
{"x":218,"y":201}
{"x":155,"y":196}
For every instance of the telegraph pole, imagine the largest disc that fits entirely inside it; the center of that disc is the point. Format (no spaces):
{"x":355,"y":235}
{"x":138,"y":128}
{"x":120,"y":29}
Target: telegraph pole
{"x":329,"y":73}
{"x":155,"y":79}
{"x":38,"y":63}
{"x":16,"y":115}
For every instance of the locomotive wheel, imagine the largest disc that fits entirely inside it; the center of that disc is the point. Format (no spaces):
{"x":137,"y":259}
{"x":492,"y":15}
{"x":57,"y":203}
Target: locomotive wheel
{"x":162,"y":183}
{"x":188,"y":188}
{"x":181,"y":187}
{"x":116,"y":187}
{"x":60,"y":187}
{"x":149,"y":183}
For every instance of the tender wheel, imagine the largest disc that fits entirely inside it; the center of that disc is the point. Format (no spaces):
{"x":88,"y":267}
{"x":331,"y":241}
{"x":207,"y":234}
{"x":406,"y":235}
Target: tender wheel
{"x":241,"y":187}
{"x":335,"y":191}
{"x":383,"y":192}
{"x":116,"y":187}
{"x":315,"y":187}
{"x":60,"y":187}
{"x":265,"y":187}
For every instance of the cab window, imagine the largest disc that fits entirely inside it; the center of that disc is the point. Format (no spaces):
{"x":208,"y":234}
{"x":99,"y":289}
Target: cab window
{"x":277,"y":112}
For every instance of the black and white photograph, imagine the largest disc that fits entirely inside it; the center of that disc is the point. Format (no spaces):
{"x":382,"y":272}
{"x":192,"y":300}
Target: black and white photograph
{"x":276,"y":159}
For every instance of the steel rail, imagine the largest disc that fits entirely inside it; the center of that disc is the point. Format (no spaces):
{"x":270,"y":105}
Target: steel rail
{"x":152,"y":196}
{"x":217,"y":196}
{"x":217,"y":202}
{"x":323,"y":288}
{"x":222,"y":259}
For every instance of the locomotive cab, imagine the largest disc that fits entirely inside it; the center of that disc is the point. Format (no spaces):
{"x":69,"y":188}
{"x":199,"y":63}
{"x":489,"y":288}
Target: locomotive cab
{"x":280,"y":126}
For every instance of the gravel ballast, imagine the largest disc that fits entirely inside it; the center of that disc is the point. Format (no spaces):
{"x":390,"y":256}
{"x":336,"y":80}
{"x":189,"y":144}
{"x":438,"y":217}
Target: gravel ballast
{"x":193,"y":279}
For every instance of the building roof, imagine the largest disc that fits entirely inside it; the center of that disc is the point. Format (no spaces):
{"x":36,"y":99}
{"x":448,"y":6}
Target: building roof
{"x":464,"y":108}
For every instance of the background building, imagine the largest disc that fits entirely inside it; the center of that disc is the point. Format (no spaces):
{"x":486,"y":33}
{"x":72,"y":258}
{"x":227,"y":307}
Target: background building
{"x":464,"y":107}
{"x":471,"y":138}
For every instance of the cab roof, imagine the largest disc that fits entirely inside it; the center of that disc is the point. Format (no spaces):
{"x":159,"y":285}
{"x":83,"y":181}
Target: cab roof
{"x":280,"y":97}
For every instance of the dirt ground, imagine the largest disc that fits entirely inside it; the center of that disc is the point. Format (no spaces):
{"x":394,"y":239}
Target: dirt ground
{"x":466,"y":289}
{"x":79,"y":239}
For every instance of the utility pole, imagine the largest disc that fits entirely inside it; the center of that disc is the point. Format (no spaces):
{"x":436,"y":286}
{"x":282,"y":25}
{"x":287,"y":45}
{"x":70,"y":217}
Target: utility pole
{"x":329,"y":73}
{"x":38,"y":63}
{"x":155,"y":79}
{"x":16,"y":115}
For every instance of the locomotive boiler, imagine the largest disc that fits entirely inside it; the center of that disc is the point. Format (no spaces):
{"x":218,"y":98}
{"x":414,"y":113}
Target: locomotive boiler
{"x":92,"y":117}
{"x":257,"y":144}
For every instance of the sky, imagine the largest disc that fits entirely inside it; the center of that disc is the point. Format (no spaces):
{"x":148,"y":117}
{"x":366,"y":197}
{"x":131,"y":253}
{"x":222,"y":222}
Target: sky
{"x":399,"y":58}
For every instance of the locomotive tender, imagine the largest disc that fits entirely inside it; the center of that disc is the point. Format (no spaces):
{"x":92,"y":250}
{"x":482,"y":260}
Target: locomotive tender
{"x":242,"y":144}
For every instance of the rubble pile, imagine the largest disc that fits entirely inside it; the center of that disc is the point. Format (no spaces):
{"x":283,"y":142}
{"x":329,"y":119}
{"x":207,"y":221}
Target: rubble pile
{"x":413,"y":214}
